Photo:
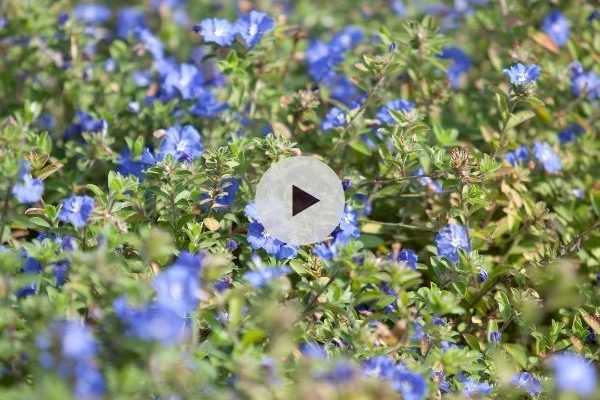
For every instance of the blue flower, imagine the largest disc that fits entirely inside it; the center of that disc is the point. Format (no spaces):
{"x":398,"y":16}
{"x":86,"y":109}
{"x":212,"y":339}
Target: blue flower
{"x":77,"y":210}
{"x":570,"y":133}
{"x":90,"y":383}
{"x":344,"y":91}
{"x":342,"y":372}
{"x":31,"y":266}
{"x":70,"y":348}
{"x":92,"y":14}
{"x":389,"y":291}
{"x":348,"y":228}
{"x":326,"y":252}
{"x":380,"y":366}
{"x":461,"y":64}
{"x":446,"y":345}
{"x":335,"y":118}
{"x":231,"y":245}
{"x":418,"y":331}
{"x":450,"y":239}
{"x":46,"y":122}
{"x":27,"y":189}
{"x":584,"y":82}
{"x":183,"y":143}
{"x":177,"y":294}
{"x":66,"y":243}
{"x":152,"y":323}
{"x":440,"y":378}
{"x":184,"y":80}
{"x":60,"y":270}
{"x":573,"y":373}
{"x":321,"y":60}
{"x":127,"y":165}
{"x":557,"y":27}
{"x":157,"y":4}
{"x":521,"y":75}
{"x":494,"y":337}
{"x":527,"y":382}
{"x":313,"y":350}
{"x":250,"y":212}
{"x":77,"y":341}
{"x":263,"y":276}
{"x":362,"y":204}
{"x":151,"y":43}
{"x":228,"y":191}
{"x":84,"y":122}
{"x":129,"y":20}
{"x":384,"y":115}
{"x":110,"y":65}
{"x":216,"y":30}
{"x":406,"y":257}
{"x":482,"y":275}
{"x":258,"y":238}
{"x":286,"y":252}
{"x":253,"y":26}
{"x":189,"y":260}
{"x":207,"y":105}
{"x":578,"y":193}
{"x":549,"y":159}
{"x":178,"y":287}
{"x":427,"y":182}
{"x":472,"y":388}
{"x":62,"y":19}
{"x":223,"y":284}
{"x":141,"y":78}
{"x":518,"y":156}
{"x":398,"y":7}
{"x":224,"y":197}
{"x":410,"y":385}
{"x":346,"y":39}
{"x":453,"y":16}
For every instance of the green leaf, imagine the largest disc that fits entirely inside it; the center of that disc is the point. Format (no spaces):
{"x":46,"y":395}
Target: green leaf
{"x":253,"y":336}
{"x":360,"y":147}
{"x":518,"y":118}
{"x":40,"y":222}
{"x":517,"y":352}
{"x":502,"y":103}
{"x":445,"y":137}
{"x":371,"y":241}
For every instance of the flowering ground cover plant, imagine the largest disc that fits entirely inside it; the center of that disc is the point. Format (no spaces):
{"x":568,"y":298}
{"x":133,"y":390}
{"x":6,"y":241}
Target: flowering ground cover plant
{"x":133,"y":262}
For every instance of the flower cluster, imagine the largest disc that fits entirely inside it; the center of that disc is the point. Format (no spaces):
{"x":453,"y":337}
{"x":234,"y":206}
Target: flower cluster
{"x":250,"y":28}
{"x":166,"y":319}
{"x":70,"y":349}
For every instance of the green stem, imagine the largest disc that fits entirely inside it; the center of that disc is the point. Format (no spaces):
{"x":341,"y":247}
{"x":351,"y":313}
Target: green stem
{"x":362,"y":108}
{"x":308,"y":308}
{"x":4,"y":215}
{"x":399,"y":225}
{"x":378,"y":181}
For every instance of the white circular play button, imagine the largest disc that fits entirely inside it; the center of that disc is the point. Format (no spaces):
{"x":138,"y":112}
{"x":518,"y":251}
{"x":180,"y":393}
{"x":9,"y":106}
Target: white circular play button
{"x":300,"y":200}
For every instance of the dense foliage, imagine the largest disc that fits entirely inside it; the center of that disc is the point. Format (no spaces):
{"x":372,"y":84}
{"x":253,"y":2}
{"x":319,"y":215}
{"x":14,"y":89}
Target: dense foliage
{"x":133,"y":264}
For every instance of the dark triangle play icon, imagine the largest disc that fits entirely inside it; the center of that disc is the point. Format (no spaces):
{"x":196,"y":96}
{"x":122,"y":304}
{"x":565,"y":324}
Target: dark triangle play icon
{"x":301,"y":200}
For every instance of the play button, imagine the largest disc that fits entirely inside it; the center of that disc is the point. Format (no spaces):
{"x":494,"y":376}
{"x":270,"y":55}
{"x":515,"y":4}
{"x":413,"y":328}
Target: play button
{"x":300,"y":200}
